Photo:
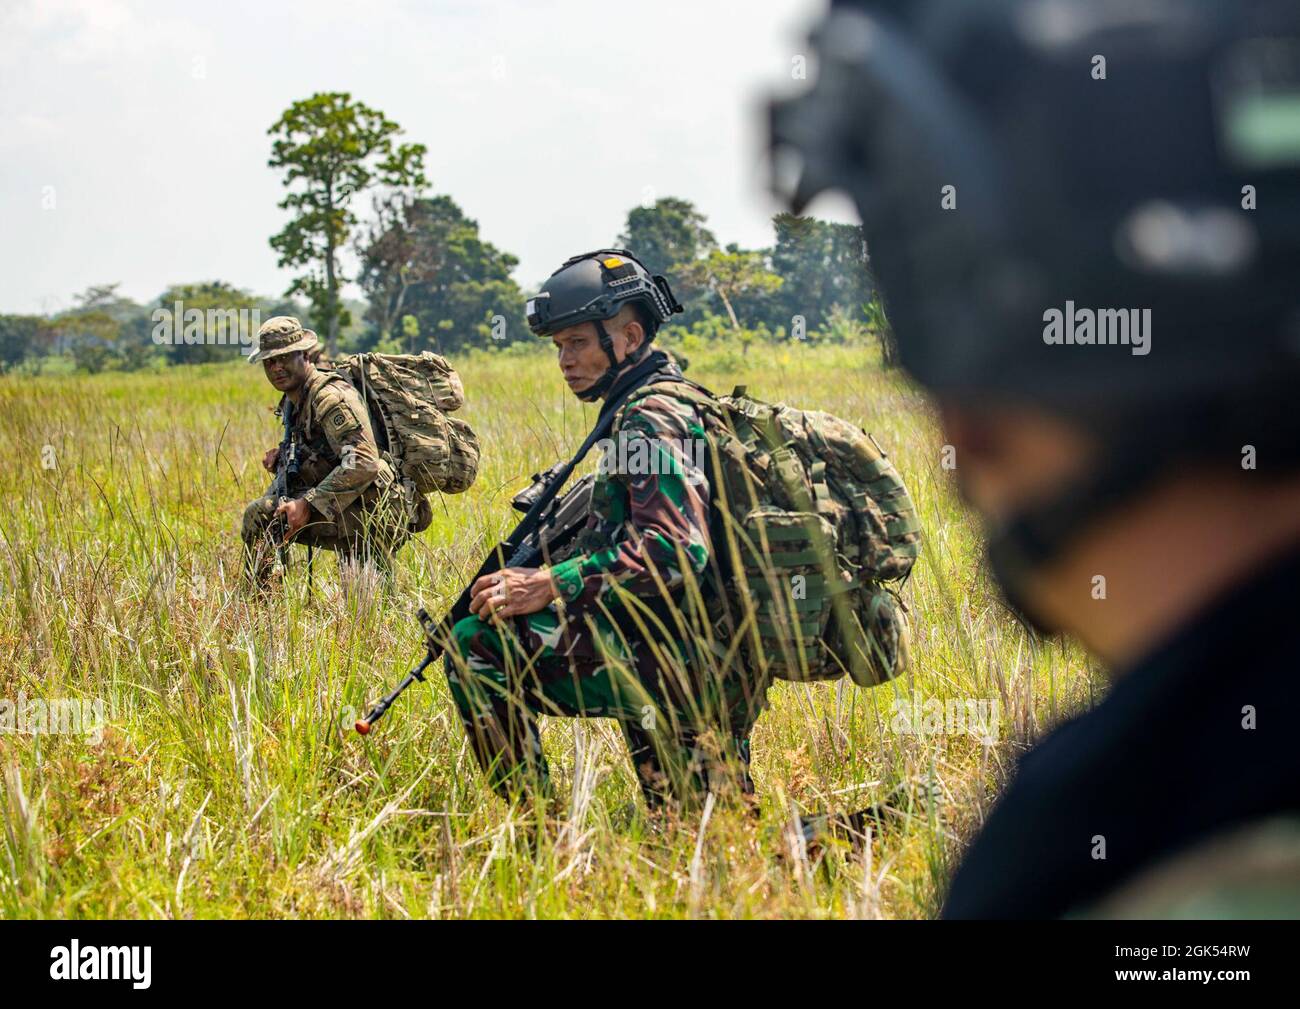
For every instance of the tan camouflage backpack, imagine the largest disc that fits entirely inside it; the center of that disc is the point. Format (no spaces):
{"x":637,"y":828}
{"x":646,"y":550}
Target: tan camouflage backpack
{"x":820,"y":531}
{"x":409,"y":397}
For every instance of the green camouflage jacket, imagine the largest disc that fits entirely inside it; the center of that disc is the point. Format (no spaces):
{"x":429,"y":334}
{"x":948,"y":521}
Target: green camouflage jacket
{"x":649,"y":521}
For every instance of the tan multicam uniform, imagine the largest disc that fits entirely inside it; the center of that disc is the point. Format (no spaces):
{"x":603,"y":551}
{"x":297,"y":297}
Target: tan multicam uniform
{"x":358,"y":507}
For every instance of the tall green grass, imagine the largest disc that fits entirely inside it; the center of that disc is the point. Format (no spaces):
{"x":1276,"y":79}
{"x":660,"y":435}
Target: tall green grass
{"x":228,"y":781}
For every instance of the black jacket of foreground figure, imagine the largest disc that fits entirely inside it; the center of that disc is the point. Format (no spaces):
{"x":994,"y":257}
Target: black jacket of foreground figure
{"x":1170,"y":798}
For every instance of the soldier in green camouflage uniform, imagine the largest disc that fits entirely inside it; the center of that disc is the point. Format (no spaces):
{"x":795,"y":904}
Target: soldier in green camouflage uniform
{"x":605,"y":632}
{"x":344,"y":495}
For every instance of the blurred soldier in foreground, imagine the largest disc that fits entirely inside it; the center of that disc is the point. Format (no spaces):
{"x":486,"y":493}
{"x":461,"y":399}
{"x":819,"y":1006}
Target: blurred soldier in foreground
{"x":1085,"y":217}
{"x":333,"y":489}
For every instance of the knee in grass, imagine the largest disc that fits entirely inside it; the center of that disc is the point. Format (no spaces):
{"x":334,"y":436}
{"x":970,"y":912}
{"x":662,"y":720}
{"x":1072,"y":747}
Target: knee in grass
{"x":465,"y":633}
{"x":257,"y":516}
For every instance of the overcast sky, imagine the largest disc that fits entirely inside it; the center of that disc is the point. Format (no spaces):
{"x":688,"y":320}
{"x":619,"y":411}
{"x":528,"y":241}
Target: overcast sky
{"x":133,"y":142}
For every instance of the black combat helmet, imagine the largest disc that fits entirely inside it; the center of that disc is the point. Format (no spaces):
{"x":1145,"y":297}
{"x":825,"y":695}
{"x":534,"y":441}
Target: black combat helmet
{"x":593,"y":287}
{"x":1092,"y":206}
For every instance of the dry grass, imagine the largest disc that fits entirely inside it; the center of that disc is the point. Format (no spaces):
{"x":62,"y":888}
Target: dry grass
{"x":228,"y":782}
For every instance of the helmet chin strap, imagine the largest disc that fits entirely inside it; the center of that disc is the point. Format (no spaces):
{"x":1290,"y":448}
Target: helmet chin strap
{"x":598,"y":388}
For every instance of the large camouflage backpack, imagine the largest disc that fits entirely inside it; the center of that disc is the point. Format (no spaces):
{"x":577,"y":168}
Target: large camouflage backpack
{"x":820,"y":534}
{"x":409,"y":397}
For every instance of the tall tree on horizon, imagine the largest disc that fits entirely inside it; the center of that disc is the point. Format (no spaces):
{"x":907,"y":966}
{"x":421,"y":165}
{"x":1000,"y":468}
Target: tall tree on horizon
{"x":731,"y":273}
{"x":824,"y":265}
{"x":333,"y":148}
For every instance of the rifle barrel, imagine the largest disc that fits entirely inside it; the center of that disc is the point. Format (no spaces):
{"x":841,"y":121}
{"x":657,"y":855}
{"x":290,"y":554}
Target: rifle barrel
{"x":377,"y":712}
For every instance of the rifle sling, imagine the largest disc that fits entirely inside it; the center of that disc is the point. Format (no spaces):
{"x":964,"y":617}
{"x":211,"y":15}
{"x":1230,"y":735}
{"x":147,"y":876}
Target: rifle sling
{"x":513,"y":548}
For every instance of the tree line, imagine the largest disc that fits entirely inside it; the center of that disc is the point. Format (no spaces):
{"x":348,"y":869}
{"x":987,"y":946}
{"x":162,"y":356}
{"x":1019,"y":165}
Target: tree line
{"x":429,"y":279}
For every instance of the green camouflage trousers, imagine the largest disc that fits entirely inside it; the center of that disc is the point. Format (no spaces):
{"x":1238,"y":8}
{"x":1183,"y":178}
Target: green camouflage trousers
{"x":686,"y":727}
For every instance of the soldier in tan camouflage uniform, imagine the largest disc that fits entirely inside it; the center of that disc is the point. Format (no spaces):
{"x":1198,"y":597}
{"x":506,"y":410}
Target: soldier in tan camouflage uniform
{"x":344,"y":495}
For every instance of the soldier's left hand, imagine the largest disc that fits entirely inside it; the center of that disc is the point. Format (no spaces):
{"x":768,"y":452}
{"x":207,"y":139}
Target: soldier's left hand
{"x":296,"y":513}
{"x":512,"y":592}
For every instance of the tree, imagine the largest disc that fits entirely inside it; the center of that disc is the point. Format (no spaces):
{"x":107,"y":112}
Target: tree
{"x":424,"y":258}
{"x":104,"y":330}
{"x":666,"y":235}
{"x":216,"y":321}
{"x":20,"y":338}
{"x":667,"y":238}
{"x":92,"y":336}
{"x":410,"y":332}
{"x":823,"y":265}
{"x":729,"y":274}
{"x":334,"y":148}
{"x":409,"y":243}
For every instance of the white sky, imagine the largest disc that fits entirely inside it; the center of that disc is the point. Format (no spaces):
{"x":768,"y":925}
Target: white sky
{"x":545,"y":121}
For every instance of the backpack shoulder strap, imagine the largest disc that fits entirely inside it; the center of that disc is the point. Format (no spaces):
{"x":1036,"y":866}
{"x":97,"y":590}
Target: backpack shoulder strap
{"x":310,"y":407}
{"x":678,"y":388}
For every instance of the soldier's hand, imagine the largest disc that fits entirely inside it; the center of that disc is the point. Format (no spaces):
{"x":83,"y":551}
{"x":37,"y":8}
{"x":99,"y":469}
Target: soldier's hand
{"x":512,"y":592}
{"x":268,"y":460}
{"x":296,"y":513}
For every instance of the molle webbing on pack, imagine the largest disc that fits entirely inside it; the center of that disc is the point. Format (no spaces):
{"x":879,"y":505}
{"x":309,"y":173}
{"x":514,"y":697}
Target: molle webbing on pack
{"x":815,"y":522}
{"x":409,"y":397}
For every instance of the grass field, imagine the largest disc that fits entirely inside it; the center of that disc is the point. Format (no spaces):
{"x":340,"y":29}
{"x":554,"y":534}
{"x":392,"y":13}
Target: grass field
{"x":227,"y":781}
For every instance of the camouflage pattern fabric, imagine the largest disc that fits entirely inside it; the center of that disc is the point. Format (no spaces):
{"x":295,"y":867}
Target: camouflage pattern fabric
{"x":621,"y":642}
{"x":818,"y":521}
{"x":412,"y":397}
{"x":357,"y":506}
{"x":283,"y":334}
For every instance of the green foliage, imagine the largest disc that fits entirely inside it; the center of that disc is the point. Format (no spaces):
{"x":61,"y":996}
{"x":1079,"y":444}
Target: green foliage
{"x":423,"y":258}
{"x":332,"y":148}
{"x":93,"y":337}
{"x":410,"y":331}
{"x":670,"y":232}
{"x":824,"y":265}
{"x":104,"y":331}
{"x":107,"y":332}
{"x":842,"y":326}
{"x":791,"y":290}
{"x":211,"y":327}
{"x":20,"y":337}
{"x":731,"y":274}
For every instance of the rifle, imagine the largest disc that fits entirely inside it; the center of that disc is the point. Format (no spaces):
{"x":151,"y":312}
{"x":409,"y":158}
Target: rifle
{"x":288,"y":465}
{"x":547,"y":524}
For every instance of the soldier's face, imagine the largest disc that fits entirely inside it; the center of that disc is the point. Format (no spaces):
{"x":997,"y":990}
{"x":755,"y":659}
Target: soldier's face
{"x":581,"y":358}
{"x":286,"y":372}
{"x":1006,"y":458}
